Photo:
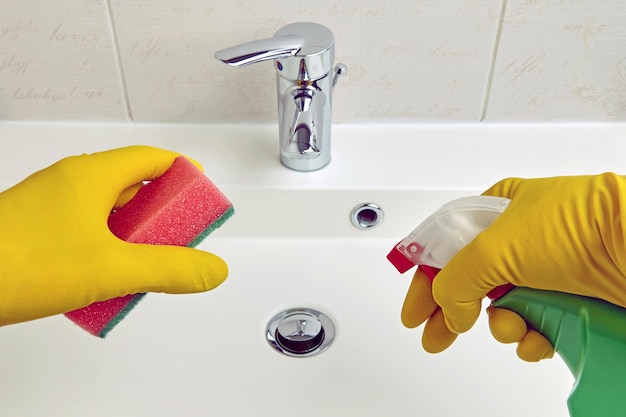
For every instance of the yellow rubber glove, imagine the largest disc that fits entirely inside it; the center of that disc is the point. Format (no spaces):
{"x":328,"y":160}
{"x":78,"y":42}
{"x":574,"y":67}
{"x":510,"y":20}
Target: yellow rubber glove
{"x":57,"y":253}
{"x":562,"y":233}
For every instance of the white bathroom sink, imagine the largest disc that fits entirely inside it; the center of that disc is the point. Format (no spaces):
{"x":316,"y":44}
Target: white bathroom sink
{"x":291,"y":244}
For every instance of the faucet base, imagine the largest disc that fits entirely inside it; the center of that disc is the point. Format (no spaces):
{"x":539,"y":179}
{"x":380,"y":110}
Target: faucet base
{"x":306,"y":165}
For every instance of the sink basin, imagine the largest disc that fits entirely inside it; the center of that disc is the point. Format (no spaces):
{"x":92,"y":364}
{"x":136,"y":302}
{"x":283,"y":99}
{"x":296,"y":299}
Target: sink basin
{"x":291,"y":244}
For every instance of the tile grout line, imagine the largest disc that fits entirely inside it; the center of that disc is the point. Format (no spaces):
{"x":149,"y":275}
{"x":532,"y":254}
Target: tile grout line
{"x":118,"y":58}
{"x":492,"y":63}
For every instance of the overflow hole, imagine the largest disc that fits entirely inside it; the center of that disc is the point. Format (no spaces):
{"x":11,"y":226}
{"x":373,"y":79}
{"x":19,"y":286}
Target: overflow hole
{"x":366,"y":216}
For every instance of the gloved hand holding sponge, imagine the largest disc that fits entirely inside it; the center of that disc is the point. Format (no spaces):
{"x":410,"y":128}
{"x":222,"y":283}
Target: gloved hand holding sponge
{"x":58,"y":254}
{"x":564,"y":234}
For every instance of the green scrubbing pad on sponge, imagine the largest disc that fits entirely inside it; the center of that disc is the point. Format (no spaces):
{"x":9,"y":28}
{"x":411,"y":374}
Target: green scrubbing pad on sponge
{"x":181,"y":208}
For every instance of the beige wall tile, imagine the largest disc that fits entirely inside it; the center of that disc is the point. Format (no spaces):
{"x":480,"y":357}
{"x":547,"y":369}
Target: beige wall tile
{"x":57,"y":61}
{"x":561,"y":60}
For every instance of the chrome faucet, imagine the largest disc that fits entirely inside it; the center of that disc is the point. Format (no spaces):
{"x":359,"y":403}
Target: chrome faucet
{"x":304,"y":54}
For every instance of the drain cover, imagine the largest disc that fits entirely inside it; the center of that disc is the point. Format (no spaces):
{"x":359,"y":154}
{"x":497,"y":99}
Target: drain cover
{"x":300,"y":332}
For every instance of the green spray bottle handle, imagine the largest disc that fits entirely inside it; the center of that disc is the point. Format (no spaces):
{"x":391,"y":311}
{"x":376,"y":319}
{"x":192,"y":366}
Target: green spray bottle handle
{"x":589,"y":334}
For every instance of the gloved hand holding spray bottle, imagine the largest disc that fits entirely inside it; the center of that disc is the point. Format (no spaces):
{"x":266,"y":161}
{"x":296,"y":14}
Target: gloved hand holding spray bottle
{"x":588,"y":333}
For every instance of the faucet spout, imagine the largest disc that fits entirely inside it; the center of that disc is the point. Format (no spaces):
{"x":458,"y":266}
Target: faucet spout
{"x":304,"y":135}
{"x":303,"y":99}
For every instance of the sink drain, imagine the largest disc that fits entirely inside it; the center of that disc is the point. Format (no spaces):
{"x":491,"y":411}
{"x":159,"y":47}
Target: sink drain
{"x":366,"y":216}
{"x":300,"y":332}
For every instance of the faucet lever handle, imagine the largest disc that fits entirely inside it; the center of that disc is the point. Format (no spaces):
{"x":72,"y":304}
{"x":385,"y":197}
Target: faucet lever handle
{"x":261,"y":50}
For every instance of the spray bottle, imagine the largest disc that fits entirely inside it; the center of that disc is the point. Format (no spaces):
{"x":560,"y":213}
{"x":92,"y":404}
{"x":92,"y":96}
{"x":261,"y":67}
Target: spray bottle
{"x":588,"y":334}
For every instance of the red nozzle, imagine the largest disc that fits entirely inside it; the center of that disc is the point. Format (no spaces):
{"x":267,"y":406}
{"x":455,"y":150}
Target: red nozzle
{"x":401,"y":262}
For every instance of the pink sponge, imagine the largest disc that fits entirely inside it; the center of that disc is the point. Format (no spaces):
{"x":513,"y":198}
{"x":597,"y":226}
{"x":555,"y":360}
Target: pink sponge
{"x":181,"y":208}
